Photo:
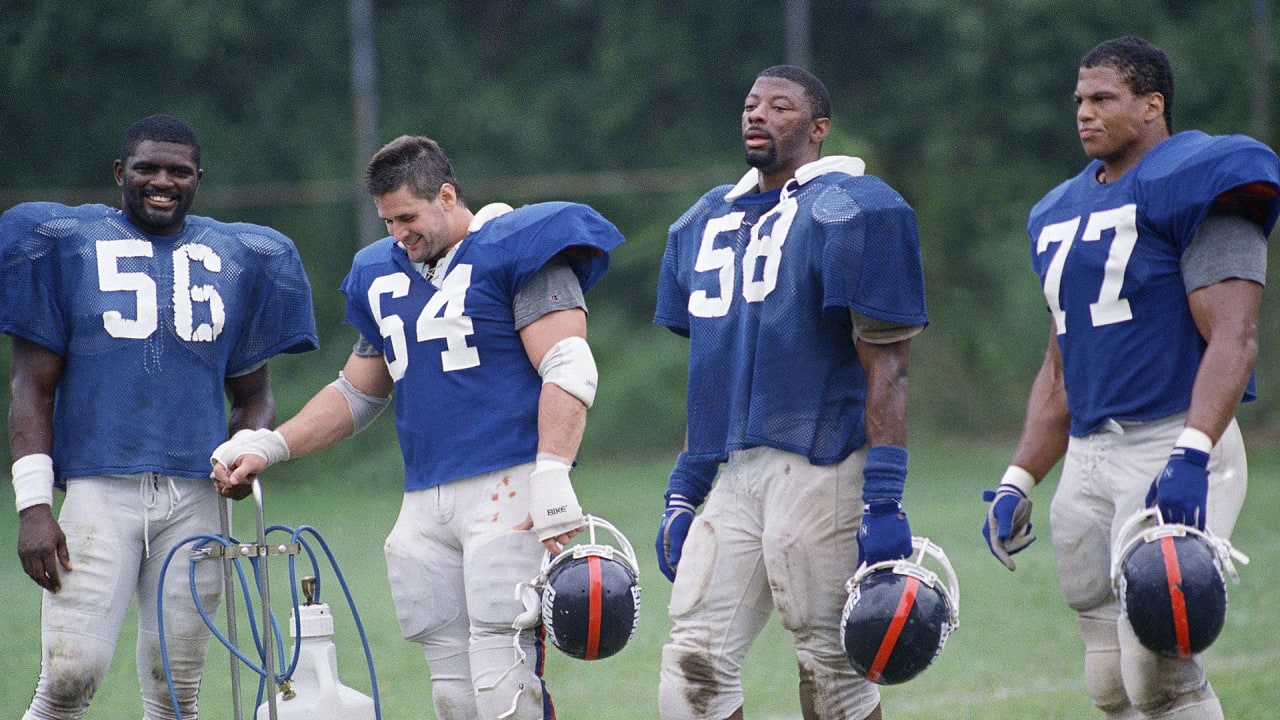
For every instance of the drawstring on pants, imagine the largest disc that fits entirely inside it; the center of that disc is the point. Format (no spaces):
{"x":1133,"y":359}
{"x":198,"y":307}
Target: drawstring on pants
{"x":149,"y":494}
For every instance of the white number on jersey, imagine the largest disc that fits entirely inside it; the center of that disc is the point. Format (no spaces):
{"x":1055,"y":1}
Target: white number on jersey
{"x":112,"y":279}
{"x":1109,"y":308}
{"x":442,"y":318}
{"x":760,"y":260}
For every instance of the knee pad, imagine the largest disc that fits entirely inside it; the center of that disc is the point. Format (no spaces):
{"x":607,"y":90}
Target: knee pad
{"x":451,"y":691}
{"x":1161,"y":686}
{"x":692,"y":685}
{"x":506,"y":671}
{"x":1102,"y":662}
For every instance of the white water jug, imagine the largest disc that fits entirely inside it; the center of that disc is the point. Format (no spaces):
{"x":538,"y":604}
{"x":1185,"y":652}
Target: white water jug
{"x":315,"y":693}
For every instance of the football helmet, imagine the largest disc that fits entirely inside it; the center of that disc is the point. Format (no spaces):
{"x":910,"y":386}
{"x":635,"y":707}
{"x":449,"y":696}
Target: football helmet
{"x":1169,"y":579}
{"x":899,"y":615}
{"x":591,"y":595}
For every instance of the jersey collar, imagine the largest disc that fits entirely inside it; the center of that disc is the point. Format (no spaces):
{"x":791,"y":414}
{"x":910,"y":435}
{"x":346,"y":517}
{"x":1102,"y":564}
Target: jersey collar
{"x":834,"y":164}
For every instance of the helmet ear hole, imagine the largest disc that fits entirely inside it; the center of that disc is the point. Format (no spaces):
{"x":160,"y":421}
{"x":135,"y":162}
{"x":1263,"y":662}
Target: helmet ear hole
{"x":899,"y":615}
{"x":591,"y":596}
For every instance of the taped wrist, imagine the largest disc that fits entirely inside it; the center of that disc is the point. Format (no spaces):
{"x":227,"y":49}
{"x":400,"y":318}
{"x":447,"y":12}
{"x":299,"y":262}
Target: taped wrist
{"x":884,"y":476}
{"x":268,"y":444}
{"x":364,"y":408}
{"x":1193,"y":439}
{"x":1019,"y":478}
{"x":553,"y":505}
{"x":570,"y":365}
{"x":33,"y":481}
{"x":692,"y":478}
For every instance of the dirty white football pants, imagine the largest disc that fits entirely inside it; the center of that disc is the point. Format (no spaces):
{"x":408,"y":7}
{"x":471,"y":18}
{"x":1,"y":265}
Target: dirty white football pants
{"x":110,"y":523}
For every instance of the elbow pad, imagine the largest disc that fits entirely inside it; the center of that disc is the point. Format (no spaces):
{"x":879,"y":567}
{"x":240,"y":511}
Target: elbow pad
{"x":570,"y":365}
{"x":364,"y":408}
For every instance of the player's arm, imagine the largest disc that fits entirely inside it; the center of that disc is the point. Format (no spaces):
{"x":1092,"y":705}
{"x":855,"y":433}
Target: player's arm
{"x":335,"y":413}
{"x":1046,"y":423}
{"x":1045,"y":427}
{"x":556,"y":344}
{"x":42,"y":547}
{"x":1226,"y":314}
{"x":1223,"y":270}
{"x":885,"y":533}
{"x":252,"y":403}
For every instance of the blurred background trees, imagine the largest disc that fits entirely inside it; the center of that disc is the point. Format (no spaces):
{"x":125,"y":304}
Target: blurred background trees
{"x":963,"y":106}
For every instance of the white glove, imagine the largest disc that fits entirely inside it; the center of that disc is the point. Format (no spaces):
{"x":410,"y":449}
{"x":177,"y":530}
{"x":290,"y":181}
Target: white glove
{"x":262,"y":442}
{"x":553,"y":506}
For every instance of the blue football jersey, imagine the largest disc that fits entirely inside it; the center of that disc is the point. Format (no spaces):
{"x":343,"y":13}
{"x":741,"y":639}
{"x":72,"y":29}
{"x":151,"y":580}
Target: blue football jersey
{"x":762,"y":285}
{"x":1109,"y":260}
{"x":148,"y":327}
{"x":466,"y":393}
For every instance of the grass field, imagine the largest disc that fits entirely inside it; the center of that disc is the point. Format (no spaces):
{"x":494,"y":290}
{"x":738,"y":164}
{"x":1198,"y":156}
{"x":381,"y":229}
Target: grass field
{"x":1015,"y":655}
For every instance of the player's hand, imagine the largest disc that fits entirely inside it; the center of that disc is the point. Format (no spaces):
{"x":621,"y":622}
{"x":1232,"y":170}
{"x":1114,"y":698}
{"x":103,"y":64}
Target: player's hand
{"x":554,"y":512}
{"x":42,"y":547}
{"x":672,"y":531}
{"x":1181,"y":489}
{"x":885,"y":533}
{"x":238,"y":461}
{"x":1007,"y":528}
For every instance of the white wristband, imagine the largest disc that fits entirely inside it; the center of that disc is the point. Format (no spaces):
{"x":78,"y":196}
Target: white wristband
{"x":1194,"y":439}
{"x":1019,"y":478}
{"x":33,"y":481}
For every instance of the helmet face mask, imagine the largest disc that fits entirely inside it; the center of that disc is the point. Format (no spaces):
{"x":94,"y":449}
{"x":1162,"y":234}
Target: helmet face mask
{"x":899,"y":615}
{"x":591,"y":595}
{"x":1170,"y":581}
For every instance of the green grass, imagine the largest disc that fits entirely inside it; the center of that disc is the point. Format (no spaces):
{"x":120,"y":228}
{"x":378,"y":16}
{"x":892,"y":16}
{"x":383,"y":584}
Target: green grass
{"x":1015,"y":655}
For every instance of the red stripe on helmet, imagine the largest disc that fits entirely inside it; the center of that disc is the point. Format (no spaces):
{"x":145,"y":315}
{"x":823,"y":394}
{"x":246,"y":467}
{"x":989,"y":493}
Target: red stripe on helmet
{"x":890,"y":640}
{"x":595,"y":602}
{"x":1178,"y":601}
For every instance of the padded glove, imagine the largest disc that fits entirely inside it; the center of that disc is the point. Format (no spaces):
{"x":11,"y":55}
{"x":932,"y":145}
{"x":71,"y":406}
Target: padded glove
{"x":884,"y":534}
{"x":672,"y":531}
{"x":687,"y":487}
{"x":1181,"y":488}
{"x":1007,"y":528}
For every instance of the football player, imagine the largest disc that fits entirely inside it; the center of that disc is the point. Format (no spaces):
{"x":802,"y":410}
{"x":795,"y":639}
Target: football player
{"x":799,"y":289}
{"x":130,"y":328}
{"x":478,"y":324}
{"x":1152,"y":262}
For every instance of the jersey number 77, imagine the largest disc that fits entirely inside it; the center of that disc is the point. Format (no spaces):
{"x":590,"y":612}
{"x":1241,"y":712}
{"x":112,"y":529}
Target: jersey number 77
{"x":1109,"y":308}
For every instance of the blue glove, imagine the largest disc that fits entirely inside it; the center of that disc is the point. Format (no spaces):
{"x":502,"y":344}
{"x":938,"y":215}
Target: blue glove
{"x":1181,"y":488}
{"x":1007,"y":528}
{"x":690,"y":481}
{"x":885,"y":533}
{"x":672,"y":532}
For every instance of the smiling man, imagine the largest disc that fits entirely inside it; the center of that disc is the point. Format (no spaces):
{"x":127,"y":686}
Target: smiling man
{"x":131,"y":328}
{"x":477,"y":322}
{"x":1152,"y":261}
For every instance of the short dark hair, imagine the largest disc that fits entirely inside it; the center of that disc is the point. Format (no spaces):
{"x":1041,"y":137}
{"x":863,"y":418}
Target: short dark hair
{"x":1144,"y":67}
{"x":819,"y":98}
{"x":410,"y":161}
{"x":160,"y":128}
